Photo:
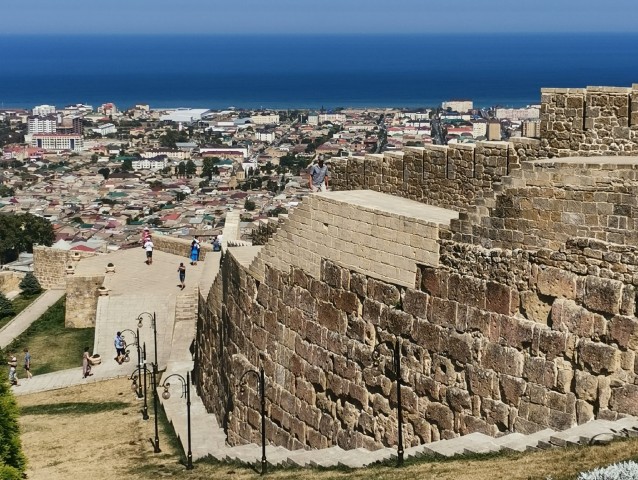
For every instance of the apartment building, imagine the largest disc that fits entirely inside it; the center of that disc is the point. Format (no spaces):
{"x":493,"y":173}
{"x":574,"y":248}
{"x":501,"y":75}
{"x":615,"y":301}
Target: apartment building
{"x":57,"y":142}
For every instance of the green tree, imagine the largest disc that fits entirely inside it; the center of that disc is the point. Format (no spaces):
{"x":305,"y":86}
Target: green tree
{"x":30,"y":285}
{"x":209,"y":167}
{"x":190,"y":168}
{"x":12,"y":460}
{"x":6,"y":191}
{"x":181,"y":169}
{"x":105,"y":172}
{"x":94,"y":158}
{"x":127,"y":164}
{"x":18,"y":233}
{"x":275,"y":212}
{"x":249,"y":205}
{"x":6,"y":307}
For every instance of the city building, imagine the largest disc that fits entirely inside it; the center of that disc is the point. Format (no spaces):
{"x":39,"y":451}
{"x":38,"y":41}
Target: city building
{"x":155,"y":163}
{"x":172,"y":153}
{"x":265,"y":135}
{"x":105,"y":129}
{"x":531,"y":128}
{"x":316,"y":119}
{"x":461,"y":106}
{"x":184,"y":115}
{"x":494,"y":130}
{"x":42,"y":124}
{"x":58,"y":142}
{"x":43,"y":110}
{"x":479,"y":128}
{"x":527,"y":113}
{"x":107,"y":109}
{"x":264,"y":119}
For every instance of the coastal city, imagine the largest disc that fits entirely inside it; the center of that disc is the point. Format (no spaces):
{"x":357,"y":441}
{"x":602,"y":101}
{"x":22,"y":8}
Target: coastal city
{"x":100,"y":174}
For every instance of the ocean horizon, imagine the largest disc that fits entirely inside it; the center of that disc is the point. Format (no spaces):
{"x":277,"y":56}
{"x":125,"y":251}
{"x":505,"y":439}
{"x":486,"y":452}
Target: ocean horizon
{"x":307,"y":71}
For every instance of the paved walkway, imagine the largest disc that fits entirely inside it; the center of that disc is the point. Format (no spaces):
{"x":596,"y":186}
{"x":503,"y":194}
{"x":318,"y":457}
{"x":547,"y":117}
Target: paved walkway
{"x":29,"y":315}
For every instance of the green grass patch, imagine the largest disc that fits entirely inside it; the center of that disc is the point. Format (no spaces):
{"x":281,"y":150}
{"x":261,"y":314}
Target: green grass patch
{"x":73,"y":408}
{"x":19,"y":303}
{"x":52,"y":346}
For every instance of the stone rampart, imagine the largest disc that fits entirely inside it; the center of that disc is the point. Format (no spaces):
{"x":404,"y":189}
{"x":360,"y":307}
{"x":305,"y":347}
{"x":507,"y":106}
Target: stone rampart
{"x":446,"y":176}
{"x":492,"y":341}
{"x":81,"y":300}
{"x":50,"y":264}
{"x":589,"y":121}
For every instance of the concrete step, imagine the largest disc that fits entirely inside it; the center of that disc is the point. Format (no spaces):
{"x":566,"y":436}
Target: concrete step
{"x":582,"y":434}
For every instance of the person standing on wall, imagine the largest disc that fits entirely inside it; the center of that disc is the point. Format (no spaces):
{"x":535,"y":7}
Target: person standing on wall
{"x":148,"y":246}
{"x":318,"y":177}
{"x":182,"y":275}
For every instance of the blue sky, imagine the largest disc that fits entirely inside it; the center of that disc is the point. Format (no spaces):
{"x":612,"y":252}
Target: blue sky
{"x":316,"y":16}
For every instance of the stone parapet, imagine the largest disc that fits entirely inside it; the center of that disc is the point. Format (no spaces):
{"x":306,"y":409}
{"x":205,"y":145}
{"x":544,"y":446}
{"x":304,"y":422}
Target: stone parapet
{"x":81,"y":300}
{"x":179,"y":246}
{"x":50,"y":264}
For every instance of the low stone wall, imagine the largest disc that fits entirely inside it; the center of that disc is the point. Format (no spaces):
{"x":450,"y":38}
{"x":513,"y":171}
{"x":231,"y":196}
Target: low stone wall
{"x":179,"y":246}
{"x":10,"y":281}
{"x":50,"y":264}
{"x":81,"y":300}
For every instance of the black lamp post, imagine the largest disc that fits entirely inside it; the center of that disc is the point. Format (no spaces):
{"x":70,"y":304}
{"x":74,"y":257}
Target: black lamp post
{"x":186,"y":390}
{"x":153,"y":319}
{"x":261,"y":383}
{"x":145,"y":408}
{"x":396,"y":361}
{"x":139,"y":359}
{"x":156,"y":445}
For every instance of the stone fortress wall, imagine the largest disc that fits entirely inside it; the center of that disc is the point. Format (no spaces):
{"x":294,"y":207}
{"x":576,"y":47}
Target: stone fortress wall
{"x":525,"y":319}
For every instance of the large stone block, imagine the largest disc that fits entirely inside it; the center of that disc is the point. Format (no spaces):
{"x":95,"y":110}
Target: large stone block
{"x":569,"y":317}
{"x":415,"y":302}
{"x":501,"y":298}
{"x":467,"y":290}
{"x":624,"y":331}
{"x":603,"y":294}
{"x":506,"y":360}
{"x":441,"y":415}
{"x":556,"y":282}
{"x":625,"y":399}
{"x":599,"y":357}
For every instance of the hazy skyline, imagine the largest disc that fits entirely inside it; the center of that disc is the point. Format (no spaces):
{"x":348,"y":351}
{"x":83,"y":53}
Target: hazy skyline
{"x":316,"y":16}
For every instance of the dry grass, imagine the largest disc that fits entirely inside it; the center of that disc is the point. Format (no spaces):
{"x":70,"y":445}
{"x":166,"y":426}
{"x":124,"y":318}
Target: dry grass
{"x":96,"y":432}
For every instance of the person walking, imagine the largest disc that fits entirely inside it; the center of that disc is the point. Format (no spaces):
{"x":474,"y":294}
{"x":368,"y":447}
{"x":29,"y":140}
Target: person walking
{"x":13,"y":365}
{"x":318,"y":177}
{"x":27,"y":363}
{"x":194,"y":252}
{"x":120,"y":347}
{"x":182,"y":275}
{"x":86,"y":363}
{"x":148,"y":246}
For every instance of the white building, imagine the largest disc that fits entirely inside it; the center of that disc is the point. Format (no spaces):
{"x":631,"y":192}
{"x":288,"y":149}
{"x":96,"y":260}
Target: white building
{"x":528,"y":113}
{"x":105,"y":129}
{"x":270,"y":119}
{"x":156,"y":163}
{"x":479,"y":128}
{"x":37,"y":124}
{"x":460,"y":106}
{"x":316,"y":119}
{"x":264,"y":136}
{"x":172,"y":153}
{"x":417,"y":115}
{"x":107,"y":109}
{"x":43,"y":110}
{"x":184,"y":115}
{"x":57,"y":142}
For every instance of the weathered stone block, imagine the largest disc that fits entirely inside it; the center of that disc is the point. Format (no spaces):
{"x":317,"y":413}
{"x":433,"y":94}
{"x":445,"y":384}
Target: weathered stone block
{"x":415,"y":302}
{"x":586,"y":386}
{"x":599,"y":357}
{"x":501,"y":298}
{"x":383,"y":292}
{"x":481,"y":382}
{"x":503,"y":359}
{"x":397,"y":322}
{"x":512,"y":389}
{"x":441,"y":415}
{"x":625,"y":399}
{"x":467,"y":290}
{"x":556,"y":282}
{"x":624,"y":331}
{"x":569,"y":317}
{"x":540,"y":371}
{"x":603,"y":294}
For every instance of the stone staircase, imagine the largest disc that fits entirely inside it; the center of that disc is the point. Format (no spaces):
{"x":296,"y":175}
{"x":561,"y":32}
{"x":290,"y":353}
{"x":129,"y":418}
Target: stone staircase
{"x":208,"y":440}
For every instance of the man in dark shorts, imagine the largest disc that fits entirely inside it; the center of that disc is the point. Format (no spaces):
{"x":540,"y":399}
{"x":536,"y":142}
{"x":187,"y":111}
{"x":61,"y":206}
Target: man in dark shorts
{"x":27,"y":363}
{"x":182,"y":275}
{"x":148,"y":246}
{"x":120,"y":347}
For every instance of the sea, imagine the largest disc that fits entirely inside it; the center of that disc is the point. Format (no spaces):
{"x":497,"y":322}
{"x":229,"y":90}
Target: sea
{"x":307,"y":71}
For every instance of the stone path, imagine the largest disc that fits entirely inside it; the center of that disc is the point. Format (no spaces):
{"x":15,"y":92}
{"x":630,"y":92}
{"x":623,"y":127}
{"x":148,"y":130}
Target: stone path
{"x":29,"y":315}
